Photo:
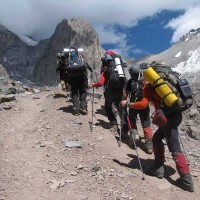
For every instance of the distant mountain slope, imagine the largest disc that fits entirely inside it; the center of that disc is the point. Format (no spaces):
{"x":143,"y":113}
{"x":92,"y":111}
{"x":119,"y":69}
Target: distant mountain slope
{"x":17,"y":55}
{"x":27,"y":40}
{"x":183,"y":55}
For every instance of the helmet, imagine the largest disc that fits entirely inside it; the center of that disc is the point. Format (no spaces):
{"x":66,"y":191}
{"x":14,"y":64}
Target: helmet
{"x":134,"y":70}
{"x":110,"y":52}
{"x":144,"y":66}
{"x":58,"y":56}
{"x":63,"y":55}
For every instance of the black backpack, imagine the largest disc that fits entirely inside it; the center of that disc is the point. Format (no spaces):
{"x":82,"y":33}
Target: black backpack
{"x":116,"y":79}
{"x":180,"y":86}
{"x":136,"y":93}
{"x":75,"y":67}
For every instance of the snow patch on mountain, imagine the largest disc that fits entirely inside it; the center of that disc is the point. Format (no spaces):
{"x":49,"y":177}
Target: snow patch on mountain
{"x":178,"y":54}
{"x":192,"y":65}
{"x":27,"y":40}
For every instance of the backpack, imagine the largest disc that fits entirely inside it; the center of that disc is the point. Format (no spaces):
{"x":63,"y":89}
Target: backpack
{"x":76,"y":67}
{"x":179,"y":86}
{"x":115,"y":71}
{"x":136,"y":93}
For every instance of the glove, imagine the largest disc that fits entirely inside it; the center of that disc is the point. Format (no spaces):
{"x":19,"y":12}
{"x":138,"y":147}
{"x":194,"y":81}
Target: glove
{"x":90,"y":85}
{"x":123,"y":103}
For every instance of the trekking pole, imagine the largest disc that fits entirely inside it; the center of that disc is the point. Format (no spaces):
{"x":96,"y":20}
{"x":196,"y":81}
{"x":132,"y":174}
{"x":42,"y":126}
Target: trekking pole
{"x":120,"y":135}
{"x":119,"y":139}
{"x":57,"y":78}
{"x":132,"y":135}
{"x":91,"y":125}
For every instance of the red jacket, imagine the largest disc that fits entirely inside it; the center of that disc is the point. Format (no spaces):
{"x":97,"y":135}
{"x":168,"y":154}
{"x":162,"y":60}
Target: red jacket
{"x":149,"y":95}
{"x":101,"y":82}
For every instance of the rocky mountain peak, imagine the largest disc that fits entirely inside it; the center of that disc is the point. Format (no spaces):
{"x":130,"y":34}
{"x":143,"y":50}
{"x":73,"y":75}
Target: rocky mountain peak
{"x":3,"y":28}
{"x":193,"y":34}
{"x":25,"y":59}
{"x":16,"y":56}
{"x":72,"y":32}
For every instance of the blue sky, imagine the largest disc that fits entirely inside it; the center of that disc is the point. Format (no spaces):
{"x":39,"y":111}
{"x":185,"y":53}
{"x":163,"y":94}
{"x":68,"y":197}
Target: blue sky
{"x":132,"y":28}
{"x":150,"y":36}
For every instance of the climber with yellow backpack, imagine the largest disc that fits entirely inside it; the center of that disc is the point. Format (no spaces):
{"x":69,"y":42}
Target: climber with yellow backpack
{"x":169,"y":100}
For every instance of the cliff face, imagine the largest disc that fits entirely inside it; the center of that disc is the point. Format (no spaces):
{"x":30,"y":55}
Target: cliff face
{"x":18,"y":58}
{"x":27,"y":61}
{"x":3,"y":73}
{"x":74,"y":32}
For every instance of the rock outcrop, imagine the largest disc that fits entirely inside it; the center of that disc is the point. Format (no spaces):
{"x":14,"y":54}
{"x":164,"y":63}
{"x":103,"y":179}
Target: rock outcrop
{"x":73,"y":32}
{"x":36,"y":62}
{"x":17,"y":57}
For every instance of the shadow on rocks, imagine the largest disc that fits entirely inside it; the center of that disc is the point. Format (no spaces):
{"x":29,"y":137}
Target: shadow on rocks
{"x":146,"y":163}
{"x":58,"y":95}
{"x":103,"y":124}
{"x":68,"y":109}
{"x":101,"y":111}
{"x":128,"y":141}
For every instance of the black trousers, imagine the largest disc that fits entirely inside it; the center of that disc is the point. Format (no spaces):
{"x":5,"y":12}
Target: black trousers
{"x":170,"y":132}
{"x":143,"y":114}
{"x":112,"y":96}
{"x":79,"y":92}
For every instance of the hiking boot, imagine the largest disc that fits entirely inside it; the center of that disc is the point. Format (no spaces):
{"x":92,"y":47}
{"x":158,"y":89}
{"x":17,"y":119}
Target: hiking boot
{"x":148,"y":146}
{"x":83,"y":111}
{"x":185,"y":182}
{"x":157,"y":169}
{"x":76,"y":112}
{"x":114,"y":128}
{"x":124,"y":135}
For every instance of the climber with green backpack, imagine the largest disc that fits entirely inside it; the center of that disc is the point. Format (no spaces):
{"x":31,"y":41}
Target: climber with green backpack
{"x":179,"y":86}
{"x":169,"y":104}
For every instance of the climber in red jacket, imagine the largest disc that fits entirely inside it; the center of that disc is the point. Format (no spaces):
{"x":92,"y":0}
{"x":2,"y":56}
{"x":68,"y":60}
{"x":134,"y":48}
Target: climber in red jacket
{"x":112,"y":95}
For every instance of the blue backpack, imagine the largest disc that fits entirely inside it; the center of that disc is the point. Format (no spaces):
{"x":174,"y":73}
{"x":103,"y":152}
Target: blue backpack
{"x":75,"y":66}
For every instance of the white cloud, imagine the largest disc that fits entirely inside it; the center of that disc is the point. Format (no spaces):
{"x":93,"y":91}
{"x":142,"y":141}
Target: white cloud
{"x":184,"y":23}
{"x":38,"y":18}
{"x":108,"y":35}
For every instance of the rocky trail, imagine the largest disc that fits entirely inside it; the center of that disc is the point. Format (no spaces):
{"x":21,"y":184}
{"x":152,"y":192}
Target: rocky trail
{"x":38,"y":163}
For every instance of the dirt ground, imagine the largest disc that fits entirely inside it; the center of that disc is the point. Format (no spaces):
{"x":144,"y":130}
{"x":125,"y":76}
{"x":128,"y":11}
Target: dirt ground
{"x":36,"y":164}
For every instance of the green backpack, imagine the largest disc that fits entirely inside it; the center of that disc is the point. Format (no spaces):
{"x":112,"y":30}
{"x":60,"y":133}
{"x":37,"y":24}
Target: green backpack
{"x":180,"y":86}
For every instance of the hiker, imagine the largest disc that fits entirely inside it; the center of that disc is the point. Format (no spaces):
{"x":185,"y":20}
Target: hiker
{"x":61,"y":68}
{"x":134,"y":88}
{"x":77,"y":70}
{"x":113,"y":91}
{"x":168,"y":131}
